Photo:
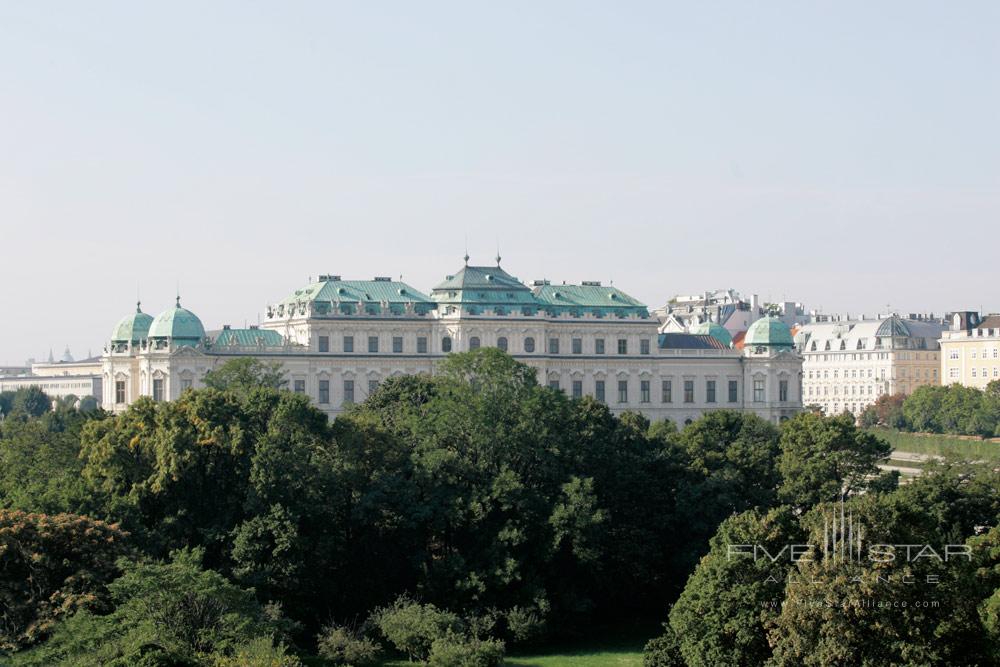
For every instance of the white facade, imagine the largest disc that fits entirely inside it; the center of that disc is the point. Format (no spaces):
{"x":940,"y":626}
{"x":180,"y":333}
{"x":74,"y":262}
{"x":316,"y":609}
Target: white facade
{"x":847,"y":364}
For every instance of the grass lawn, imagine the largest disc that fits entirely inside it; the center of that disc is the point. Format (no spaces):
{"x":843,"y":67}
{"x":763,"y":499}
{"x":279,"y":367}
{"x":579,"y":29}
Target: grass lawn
{"x":624,"y":649}
{"x":941,"y":445}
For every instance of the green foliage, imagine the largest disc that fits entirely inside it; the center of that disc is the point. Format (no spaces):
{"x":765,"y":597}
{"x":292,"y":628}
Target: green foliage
{"x":243,"y":375}
{"x":413,"y":627}
{"x":720,"y":618}
{"x":822,"y":621}
{"x":458,"y":651}
{"x":663,"y":651}
{"x":259,"y":652}
{"x":40,"y":468}
{"x":31,"y":402}
{"x":887,"y":411}
{"x":341,"y":645}
{"x":6,"y":403}
{"x":729,"y":461}
{"x":248,"y":477}
{"x":50,"y":568}
{"x":823,"y":458}
{"x":166,"y":613}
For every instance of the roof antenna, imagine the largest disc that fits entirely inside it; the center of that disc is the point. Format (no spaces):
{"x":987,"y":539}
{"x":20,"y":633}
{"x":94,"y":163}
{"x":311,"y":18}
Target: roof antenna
{"x":178,"y":293}
{"x":498,"y":252}
{"x":466,"y":250}
{"x":138,"y":301}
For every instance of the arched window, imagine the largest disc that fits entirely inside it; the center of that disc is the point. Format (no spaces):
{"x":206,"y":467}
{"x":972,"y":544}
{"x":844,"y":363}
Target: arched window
{"x":474,"y":343}
{"x":446,"y":344}
{"x":502,"y":343}
{"x":529,"y":344}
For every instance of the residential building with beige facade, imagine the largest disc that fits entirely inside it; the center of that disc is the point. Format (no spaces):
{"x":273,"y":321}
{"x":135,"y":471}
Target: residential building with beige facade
{"x":970,"y":350}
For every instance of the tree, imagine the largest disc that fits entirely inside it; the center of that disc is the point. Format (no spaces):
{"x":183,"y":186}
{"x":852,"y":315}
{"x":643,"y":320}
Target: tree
{"x":40,"y":466}
{"x":88,"y":404}
{"x":245,"y":374}
{"x":729,"y":460}
{"x":721,"y":617}
{"x":887,"y":411}
{"x":866,"y":610}
{"x":165,"y":613}
{"x":250,"y":478}
{"x":6,"y":403}
{"x":50,"y":568}
{"x":31,"y":401}
{"x":825,"y":458}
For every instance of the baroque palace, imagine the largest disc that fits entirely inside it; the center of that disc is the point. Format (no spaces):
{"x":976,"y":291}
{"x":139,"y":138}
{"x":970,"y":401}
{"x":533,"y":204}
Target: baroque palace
{"x":337,"y":339}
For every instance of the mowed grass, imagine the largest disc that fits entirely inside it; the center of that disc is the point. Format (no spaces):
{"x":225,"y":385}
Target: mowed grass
{"x":620,"y":650}
{"x":941,"y":445}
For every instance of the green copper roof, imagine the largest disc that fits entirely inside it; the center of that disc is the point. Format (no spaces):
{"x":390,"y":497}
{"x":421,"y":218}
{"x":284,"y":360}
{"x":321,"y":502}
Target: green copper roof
{"x":132,"y":328}
{"x":716,"y":331}
{"x":248,"y":338}
{"x":768,"y":331}
{"x":486,"y":289}
{"x":589,"y":297}
{"x":179,"y":324}
{"x":330,"y":294}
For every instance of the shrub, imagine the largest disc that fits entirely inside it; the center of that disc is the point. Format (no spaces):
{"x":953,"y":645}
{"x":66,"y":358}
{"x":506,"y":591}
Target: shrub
{"x":663,"y":651}
{"x":412,"y":627}
{"x":455,"y":650}
{"x":260,"y":652}
{"x":524,"y":623}
{"x":52,"y":566}
{"x":343,"y":646}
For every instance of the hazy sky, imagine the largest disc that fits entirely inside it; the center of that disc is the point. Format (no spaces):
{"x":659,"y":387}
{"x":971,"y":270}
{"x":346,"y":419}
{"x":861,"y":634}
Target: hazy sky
{"x":843,"y":154}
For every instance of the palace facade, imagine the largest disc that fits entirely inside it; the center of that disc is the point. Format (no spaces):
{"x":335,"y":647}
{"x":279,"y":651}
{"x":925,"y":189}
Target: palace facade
{"x":336,"y":340}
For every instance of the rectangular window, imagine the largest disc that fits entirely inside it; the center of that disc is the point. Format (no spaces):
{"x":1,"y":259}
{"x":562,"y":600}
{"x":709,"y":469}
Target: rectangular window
{"x":577,"y":389}
{"x":689,"y":391}
{"x":120,"y":392}
{"x":599,"y":346}
{"x":710,"y":391}
{"x":348,"y":343}
{"x":372,"y":344}
{"x":599,"y":390}
{"x":622,"y":346}
{"x":372,"y":387}
{"x":157,"y":389}
{"x":783,"y":390}
{"x":733,"y":391}
{"x":324,"y":391}
{"x":300,"y":386}
{"x":421,"y":345}
{"x":348,"y":391}
{"x":554,"y":384}
{"x":623,"y":391}
{"x":667,"y":391}
{"x":644,"y":346}
{"x":553,"y":346}
{"x":324,"y":343}
{"x":397,"y":344}
{"x":758,"y":391}
{"x":185,"y":384}
{"x":577,"y":346}
{"x":644,"y":391}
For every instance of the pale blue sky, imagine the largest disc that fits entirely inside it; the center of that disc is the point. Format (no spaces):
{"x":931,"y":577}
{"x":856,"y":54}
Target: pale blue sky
{"x":844,"y":154}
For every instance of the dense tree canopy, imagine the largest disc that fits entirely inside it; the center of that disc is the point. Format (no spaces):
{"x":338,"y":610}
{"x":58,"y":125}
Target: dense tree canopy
{"x":476,"y":492}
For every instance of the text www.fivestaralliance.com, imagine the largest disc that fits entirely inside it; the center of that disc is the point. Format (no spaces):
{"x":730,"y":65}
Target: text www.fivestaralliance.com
{"x":863,"y":603}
